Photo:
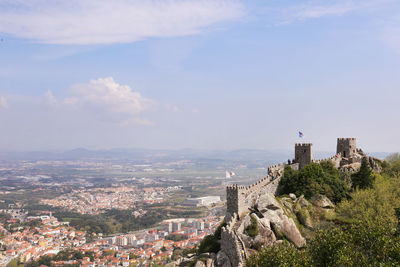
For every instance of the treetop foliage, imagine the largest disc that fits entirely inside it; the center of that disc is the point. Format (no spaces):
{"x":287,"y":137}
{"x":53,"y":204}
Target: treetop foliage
{"x":364,"y":178}
{"x":315,"y":178}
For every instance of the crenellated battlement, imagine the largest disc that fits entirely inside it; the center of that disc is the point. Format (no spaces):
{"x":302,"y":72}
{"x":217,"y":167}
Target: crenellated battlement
{"x":303,"y":144}
{"x":346,"y":138}
{"x":236,"y":195}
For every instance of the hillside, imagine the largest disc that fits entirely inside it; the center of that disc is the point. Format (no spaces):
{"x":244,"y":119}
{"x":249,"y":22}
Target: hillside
{"x":340,"y":211}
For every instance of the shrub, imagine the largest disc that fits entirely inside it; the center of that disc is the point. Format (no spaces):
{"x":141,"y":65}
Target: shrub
{"x":284,"y":254}
{"x":252,"y":229}
{"x":314,"y":179}
{"x":379,"y":201}
{"x":211,"y":243}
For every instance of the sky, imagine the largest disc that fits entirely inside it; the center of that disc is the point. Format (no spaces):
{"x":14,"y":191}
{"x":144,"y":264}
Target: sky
{"x":203,"y":74}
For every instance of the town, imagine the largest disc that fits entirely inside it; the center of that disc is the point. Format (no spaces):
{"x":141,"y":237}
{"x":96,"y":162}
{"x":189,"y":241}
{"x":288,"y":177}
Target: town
{"x":45,"y":236}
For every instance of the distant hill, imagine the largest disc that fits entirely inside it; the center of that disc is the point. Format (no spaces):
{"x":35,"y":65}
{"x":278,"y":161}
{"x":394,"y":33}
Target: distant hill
{"x":239,"y":155}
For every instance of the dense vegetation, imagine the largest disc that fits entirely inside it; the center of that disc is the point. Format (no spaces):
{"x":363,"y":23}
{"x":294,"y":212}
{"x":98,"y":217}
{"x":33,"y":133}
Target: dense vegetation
{"x":366,"y":232}
{"x":364,"y":178}
{"x":314,"y":179}
{"x":64,"y":255}
{"x":175,"y":238}
{"x":211,"y":243}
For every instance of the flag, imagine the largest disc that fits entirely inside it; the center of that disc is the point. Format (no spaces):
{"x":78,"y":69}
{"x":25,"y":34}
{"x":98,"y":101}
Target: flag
{"x":300,"y":134}
{"x":229,"y":174}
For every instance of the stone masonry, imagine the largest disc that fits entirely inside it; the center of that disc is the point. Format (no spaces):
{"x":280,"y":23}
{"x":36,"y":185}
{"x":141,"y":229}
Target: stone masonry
{"x":303,"y":154}
{"x":346,"y":147}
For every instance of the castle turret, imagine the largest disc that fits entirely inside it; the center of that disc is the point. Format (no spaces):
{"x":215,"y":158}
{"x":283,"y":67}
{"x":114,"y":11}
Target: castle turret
{"x":234,"y":200}
{"x":346,"y":147}
{"x":303,"y":154}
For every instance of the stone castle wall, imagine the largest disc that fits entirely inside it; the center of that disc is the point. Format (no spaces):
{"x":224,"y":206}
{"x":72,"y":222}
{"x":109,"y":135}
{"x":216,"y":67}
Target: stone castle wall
{"x":236,"y":194}
{"x":335,"y":160}
{"x":230,"y":243}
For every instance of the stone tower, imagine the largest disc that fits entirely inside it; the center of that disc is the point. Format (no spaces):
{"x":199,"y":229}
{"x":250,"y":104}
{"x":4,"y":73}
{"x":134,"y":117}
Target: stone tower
{"x":346,"y":147}
{"x":303,"y":154}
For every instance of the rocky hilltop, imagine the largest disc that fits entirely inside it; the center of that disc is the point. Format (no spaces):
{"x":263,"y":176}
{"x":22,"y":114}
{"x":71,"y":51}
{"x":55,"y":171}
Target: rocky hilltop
{"x":255,"y":217}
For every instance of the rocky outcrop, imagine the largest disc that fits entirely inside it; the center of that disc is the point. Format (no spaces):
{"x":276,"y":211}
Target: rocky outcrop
{"x":265,"y":237}
{"x":199,"y":264}
{"x":322,"y":202}
{"x":272,"y":223}
{"x":267,"y":202}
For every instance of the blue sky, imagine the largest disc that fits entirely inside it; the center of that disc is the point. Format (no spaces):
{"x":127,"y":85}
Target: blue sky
{"x":200,"y":74}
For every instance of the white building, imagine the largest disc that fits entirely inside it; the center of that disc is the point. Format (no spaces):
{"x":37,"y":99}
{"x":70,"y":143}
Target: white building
{"x":150,"y":237}
{"x":198,"y":224}
{"x":138,"y":242}
{"x":202,"y":201}
{"x":130,"y":239}
{"x":121,"y":241}
{"x":176,"y":226}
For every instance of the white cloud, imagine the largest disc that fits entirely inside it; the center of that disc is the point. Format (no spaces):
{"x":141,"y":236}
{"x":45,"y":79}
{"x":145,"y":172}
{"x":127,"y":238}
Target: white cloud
{"x":104,"y":98}
{"x":3,"y":102}
{"x":116,"y":21}
{"x":320,"y":11}
{"x":317,"y":9}
{"x":107,"y":95}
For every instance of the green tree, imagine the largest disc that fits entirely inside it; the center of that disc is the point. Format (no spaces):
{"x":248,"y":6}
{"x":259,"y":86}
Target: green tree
{"x":364,"y":178}
{"x":391,"y":166}
{"x":284,"y":254}
{"x":314,"y":179}
{"x":211,"y":243}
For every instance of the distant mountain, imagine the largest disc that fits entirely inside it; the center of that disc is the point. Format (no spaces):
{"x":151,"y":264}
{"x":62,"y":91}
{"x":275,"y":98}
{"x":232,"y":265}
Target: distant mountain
{"x":161,"y":155}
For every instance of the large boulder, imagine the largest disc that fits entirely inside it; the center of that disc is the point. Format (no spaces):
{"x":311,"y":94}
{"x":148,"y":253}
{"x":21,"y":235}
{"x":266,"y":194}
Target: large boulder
{"x":322,"y":202}
{"x":199,"y":264}
{"x":265,"y":235}
{"x":304,"y":217}
{"x":287,"y":203}
{"x":303,"y":202}
{"x":267,"y":202}
{"x":273,"y":216}
{"x":291,"y":232}
{"x":210,"y":263}
{"x":283,"y":226}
